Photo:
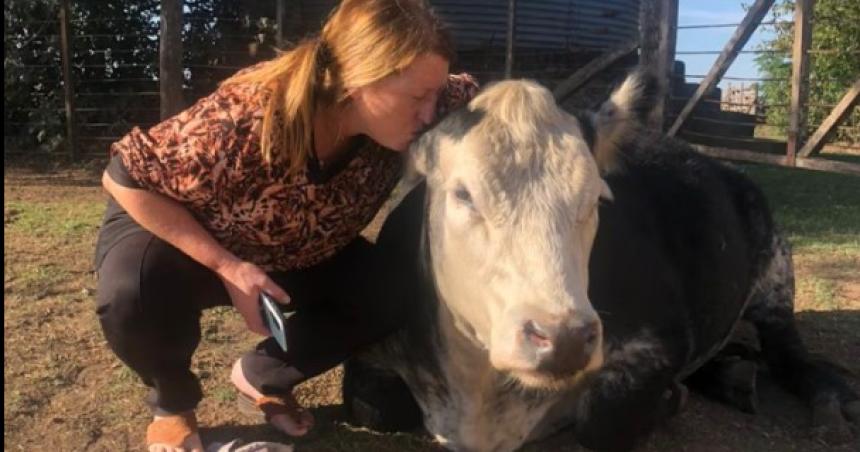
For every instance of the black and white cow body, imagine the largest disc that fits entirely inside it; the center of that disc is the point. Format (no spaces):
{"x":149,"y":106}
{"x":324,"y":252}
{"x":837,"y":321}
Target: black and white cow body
{"x":685,"y":250}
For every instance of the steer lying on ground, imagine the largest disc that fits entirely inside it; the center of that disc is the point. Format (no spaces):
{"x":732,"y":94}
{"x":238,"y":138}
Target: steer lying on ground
{"x":574,"y":270}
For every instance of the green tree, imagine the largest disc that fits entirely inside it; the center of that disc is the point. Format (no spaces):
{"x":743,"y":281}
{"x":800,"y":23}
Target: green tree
{"x":114,"y":46}
{"x":31,"y":66}
{"x":834,"y":64}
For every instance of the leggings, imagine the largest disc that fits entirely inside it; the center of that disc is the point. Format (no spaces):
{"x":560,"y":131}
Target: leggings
{"x":150,"y":297}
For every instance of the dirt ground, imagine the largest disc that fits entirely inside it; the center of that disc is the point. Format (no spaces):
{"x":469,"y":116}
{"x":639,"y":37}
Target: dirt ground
{"x":65,"y":391}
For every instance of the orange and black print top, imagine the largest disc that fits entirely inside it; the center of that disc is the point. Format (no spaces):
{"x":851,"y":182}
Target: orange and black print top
{"x":208,"y":158}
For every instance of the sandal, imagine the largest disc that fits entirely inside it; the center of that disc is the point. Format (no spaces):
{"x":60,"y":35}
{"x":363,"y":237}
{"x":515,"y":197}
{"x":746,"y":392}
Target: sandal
{"x":172,"y":430}
{"x":266,"y":407}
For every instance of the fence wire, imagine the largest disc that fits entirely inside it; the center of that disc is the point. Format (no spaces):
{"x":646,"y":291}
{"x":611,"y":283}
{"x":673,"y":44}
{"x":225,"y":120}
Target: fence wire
{"x":752,"y":112}
{"x":115,"y":74}
{"x":114,"y":67}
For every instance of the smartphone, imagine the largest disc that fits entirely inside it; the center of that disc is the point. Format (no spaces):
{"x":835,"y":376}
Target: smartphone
{"x":274,"y":318}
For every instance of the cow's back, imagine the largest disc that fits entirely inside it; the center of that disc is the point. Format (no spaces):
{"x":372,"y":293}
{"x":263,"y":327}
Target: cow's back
{"x":677,"y":250}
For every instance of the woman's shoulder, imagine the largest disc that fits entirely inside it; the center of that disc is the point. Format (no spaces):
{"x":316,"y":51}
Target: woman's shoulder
{"x":250,"y":93}
{"x":229,"y":114}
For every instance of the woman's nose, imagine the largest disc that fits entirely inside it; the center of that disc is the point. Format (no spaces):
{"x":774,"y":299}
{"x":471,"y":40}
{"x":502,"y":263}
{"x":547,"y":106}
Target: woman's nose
{"x":427,"y":111}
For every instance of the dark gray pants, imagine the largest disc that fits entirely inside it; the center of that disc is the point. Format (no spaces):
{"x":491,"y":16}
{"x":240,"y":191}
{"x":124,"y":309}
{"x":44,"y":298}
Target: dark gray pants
{"x":150,"y":297}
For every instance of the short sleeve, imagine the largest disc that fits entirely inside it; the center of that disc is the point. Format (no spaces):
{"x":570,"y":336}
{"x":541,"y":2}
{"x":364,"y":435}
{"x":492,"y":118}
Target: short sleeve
{"x":191,"y":157}
{"x":119,"y":173}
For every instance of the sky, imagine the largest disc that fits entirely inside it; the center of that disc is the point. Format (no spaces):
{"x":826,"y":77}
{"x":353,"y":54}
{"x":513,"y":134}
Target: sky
{"x":697,"y":12}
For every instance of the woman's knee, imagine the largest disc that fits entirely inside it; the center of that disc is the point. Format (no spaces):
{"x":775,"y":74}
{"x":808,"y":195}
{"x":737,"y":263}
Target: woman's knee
{"x":140,"y":282}
{"x":117,"y":305}
{"x":118,"y":290}
{"x":173,"y":284}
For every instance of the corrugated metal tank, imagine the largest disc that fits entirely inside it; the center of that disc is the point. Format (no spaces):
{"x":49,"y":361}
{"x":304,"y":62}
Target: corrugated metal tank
{"x":540,"y":24}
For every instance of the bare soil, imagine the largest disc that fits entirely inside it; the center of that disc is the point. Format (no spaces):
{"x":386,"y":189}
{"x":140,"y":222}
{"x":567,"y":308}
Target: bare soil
{"x":64,"y":390}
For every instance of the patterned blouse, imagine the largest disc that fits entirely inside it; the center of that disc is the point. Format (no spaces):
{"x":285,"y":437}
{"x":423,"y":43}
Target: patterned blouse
{"x":208,"y":158}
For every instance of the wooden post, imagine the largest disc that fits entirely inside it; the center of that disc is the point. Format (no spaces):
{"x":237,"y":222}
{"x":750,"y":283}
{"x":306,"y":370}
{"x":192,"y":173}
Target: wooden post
{"x":799,"y":78}
{"x":658,"y":23}
{"x":68,"y":83}
{"x":650,"y":16}
{"x":836,"y":116}
{"x":290,"y":25}
{"x":509,"y":55}
{"x":170,"y":58}
{"x":831,"y":166}
{"x":593,"y":67}
{"x":668,"y":42}
{"x":281,"y":16}
{"x":775,"y":159}
{"x":730,"y":51}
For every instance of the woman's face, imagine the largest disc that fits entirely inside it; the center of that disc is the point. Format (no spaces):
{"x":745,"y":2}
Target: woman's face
{"x":393,"y":110}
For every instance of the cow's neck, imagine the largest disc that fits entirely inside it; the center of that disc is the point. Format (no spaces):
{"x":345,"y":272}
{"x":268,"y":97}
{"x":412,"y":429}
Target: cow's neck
{"x":478,"y":399}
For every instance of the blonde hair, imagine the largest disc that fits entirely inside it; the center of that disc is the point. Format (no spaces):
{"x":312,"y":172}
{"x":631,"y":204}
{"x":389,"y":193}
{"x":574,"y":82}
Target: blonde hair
{"x":361,"y":42}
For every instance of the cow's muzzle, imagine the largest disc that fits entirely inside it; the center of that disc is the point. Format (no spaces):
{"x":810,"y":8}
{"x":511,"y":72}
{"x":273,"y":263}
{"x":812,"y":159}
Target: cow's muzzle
{"x":561,"y":348}
{"x":542,"y":347}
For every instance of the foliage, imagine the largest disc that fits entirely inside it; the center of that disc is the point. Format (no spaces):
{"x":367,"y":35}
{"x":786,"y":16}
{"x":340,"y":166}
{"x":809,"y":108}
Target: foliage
{"x":834,"y":63}
{"x":34,"y":91}
{"x":114,"y":46}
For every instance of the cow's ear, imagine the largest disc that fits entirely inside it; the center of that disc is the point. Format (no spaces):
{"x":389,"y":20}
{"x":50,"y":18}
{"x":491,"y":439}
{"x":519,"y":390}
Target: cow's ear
{"x":422,"y":155}
{"x":605,"y":153}
{"x":605,"y":191}
{"x":619,"y":120}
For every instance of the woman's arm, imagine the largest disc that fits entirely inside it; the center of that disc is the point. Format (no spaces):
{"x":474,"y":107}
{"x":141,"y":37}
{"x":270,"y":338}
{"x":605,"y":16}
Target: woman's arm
{"x":170,"y":221}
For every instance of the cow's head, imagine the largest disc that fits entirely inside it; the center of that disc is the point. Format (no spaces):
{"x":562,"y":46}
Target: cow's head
{"x":514,"y":184}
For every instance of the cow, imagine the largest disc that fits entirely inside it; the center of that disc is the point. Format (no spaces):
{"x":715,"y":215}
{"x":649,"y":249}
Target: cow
{"x":576,"y":269}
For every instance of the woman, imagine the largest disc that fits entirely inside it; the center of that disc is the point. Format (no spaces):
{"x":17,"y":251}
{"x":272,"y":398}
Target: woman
{"x":264,"y":186}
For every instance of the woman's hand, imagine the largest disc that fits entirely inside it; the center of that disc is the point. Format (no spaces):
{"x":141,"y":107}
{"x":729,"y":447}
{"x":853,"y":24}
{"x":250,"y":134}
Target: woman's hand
{"x":244,"y":282}
{"x":172,"y":222}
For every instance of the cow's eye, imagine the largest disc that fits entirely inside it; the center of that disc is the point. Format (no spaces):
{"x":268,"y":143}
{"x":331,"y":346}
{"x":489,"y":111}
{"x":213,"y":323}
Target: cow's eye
{"x":463,"y":195}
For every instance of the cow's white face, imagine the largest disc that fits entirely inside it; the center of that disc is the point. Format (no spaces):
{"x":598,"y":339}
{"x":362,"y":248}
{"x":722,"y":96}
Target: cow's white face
{"x":513,"y":197}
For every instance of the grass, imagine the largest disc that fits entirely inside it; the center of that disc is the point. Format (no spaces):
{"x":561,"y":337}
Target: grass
{"x":38,"y":276}
{"x":823,"y":294}
{"x":820,"y":213}
{"x":57,"y":365}
{"x":772,"y":133}
{"x":224,"y":394}
{"x":817,"y":210}
{"x":54,"y":220}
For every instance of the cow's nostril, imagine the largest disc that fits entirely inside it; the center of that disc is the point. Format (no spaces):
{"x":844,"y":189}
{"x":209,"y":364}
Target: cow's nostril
{"x":591,"y":339}
{"x":536,"y":335}
{"x":590,"y":334}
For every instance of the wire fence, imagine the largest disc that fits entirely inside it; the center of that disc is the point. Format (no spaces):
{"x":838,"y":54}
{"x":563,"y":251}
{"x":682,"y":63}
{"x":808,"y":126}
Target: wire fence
{"x":751,"y":111}
{"x":114,"y":67}
{"x":115,"y":73}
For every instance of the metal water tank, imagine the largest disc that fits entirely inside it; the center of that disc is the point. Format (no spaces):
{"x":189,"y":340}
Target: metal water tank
{"x":540,"y":24}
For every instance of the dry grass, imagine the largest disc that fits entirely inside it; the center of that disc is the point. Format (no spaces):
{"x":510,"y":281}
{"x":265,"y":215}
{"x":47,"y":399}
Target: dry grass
{"x":64,"y":390}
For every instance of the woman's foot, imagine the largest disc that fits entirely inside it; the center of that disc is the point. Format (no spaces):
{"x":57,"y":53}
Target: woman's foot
{"x":173,"y":433}
{"x":283,"y":412}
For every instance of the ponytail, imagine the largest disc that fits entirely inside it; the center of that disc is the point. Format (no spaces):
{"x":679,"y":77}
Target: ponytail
{"x":294,"y":79}
{"x":362,"y":42}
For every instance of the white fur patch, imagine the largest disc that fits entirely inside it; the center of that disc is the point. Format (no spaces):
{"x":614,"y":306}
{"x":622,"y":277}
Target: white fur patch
{"x":615,"y":123}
